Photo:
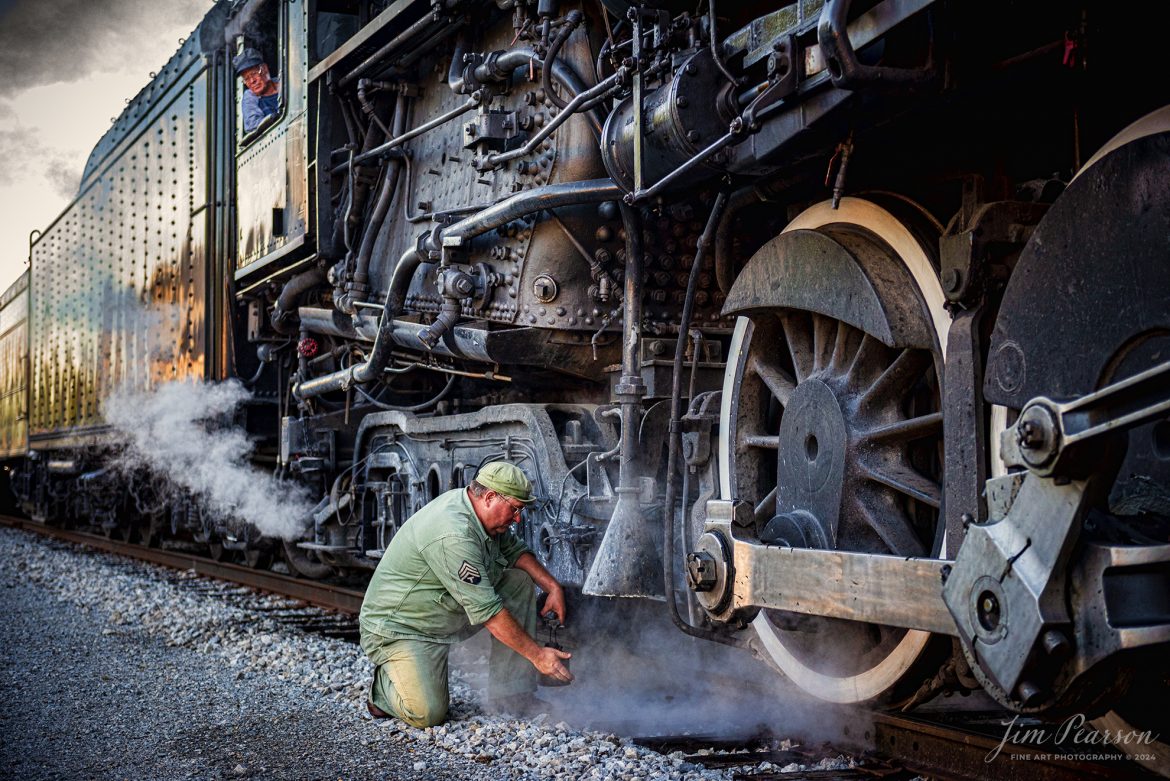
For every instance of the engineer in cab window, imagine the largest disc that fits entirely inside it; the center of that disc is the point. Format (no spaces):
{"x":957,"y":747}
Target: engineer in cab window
{"x":262,"y":94}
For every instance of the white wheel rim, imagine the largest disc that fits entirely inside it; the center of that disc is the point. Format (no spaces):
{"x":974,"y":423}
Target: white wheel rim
{"x":872,"y":682}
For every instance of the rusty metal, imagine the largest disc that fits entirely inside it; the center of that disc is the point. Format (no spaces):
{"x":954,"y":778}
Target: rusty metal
{"x":120,"y":284}
{"x":14,"y":369}
{"x":313,"y":592}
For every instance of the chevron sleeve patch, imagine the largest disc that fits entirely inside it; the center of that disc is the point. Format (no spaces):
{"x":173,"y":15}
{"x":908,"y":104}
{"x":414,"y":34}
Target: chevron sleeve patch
{"x":468,"y":573}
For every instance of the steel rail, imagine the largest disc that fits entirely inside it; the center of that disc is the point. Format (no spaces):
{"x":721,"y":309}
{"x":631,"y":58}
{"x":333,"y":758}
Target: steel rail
{"x":958,"y":751}
{"x":343,"y":600}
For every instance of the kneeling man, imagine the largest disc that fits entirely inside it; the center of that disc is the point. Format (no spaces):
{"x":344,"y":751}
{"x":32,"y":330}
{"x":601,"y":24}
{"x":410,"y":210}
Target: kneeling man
{"x":453,"y":567}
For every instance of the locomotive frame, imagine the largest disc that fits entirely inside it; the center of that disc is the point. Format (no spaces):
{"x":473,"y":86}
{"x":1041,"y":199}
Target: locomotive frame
{"x":803,"y":407}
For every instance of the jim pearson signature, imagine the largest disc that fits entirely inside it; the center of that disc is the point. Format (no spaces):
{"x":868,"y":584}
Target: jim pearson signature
{"x":1073,"y":731}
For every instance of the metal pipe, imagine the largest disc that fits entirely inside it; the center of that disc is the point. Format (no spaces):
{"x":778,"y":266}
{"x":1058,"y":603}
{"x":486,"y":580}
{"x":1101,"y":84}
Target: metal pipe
{"x":627,"y":557}
{"x":399,"y":41}
{"x":706,"y":240}
{"x":455,"y":70}
{"x":520,"y":57}
{"x":550,"y":196}
{"x":665,"y":182}
{"x":413,"y":407}
{"x":418,"y":131}
{"x":292,"y":290}
{"x":361,"y":270}
{"x":383,"y":342}
{"x":630,"y":389}
{"x":572,"y":19}
{"x":596,"y":91}
{"x":469,"y":344}
{"x":724,"y":273}
{"x":715,"y":43}
{"x":367,"y":105}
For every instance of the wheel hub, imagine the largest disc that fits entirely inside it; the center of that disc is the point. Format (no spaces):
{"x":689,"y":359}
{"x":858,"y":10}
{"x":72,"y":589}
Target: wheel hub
{"x":811,"y":463}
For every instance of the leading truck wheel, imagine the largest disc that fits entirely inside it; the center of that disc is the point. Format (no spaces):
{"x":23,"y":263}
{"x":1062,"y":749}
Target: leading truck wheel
{"x":825,"y":417}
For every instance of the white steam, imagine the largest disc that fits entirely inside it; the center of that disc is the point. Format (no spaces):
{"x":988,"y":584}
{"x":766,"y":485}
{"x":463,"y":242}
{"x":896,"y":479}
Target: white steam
{"x":177,"y":430}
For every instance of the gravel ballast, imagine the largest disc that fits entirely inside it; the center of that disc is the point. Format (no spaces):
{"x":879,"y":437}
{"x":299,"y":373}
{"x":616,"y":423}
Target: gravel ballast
{"x":111,"y":669}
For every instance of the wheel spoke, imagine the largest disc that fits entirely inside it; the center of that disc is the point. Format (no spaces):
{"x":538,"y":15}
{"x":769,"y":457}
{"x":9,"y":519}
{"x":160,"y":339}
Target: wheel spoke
{"x":871,"y":353}
{"x":897,"y":380}
{"x":777,"y":381}
{"x":824,"y":339}
{"x":906,"y":430}
{"x":906,"y":481}
{"x":894,"y":528}
{"x":843,"y":348}
{"x":766,"y":508}
{"x":797,"y":335}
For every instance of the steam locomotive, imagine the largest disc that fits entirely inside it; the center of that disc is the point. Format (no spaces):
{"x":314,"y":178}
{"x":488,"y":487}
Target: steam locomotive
{"x":839,"y":327}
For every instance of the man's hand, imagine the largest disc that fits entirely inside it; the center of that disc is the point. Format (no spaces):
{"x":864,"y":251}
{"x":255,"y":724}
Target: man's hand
{"x":555,"y":603}
{"x":548,"y":661}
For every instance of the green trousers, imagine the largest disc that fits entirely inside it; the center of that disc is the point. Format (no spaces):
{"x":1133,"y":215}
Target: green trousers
{"x":410,"y":679}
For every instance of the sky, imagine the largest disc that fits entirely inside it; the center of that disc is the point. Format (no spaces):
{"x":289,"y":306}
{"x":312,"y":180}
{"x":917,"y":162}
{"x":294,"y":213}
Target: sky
{"x":67,"y":69}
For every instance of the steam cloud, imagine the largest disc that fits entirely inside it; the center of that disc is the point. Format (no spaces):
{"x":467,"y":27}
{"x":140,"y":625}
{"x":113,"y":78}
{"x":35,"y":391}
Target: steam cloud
{"x":37,"y":48}
{"x":177,"y":431}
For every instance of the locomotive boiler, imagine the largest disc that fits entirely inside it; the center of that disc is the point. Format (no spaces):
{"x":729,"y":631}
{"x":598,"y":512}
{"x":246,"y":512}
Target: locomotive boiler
{"x":838,"y":327}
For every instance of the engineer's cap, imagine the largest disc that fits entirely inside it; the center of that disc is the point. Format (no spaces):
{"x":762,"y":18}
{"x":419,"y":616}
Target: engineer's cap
{"x":248,"y":58}
{"x":506,"y":479}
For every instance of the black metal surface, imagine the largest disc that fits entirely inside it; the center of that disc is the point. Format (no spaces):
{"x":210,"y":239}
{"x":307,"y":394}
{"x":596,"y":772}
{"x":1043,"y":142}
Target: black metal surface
{"x":965,"y":423}
{"x":1095,"y":271}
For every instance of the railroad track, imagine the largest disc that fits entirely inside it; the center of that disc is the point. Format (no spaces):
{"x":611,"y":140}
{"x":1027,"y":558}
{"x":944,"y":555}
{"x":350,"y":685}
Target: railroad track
{"x":890,"y":746}
{"x":331,"y":597}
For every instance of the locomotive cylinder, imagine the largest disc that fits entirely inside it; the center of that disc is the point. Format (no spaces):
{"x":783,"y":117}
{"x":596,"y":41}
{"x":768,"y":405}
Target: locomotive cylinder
{"x":679,"y":120}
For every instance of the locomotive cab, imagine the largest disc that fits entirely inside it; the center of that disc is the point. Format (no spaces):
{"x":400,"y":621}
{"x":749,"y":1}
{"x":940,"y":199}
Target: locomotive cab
{"x":271,"y":176}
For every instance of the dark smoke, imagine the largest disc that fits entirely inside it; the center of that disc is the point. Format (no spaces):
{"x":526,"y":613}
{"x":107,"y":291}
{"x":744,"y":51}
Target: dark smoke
{"x":49,"y":41}
{"x":26,"y":156}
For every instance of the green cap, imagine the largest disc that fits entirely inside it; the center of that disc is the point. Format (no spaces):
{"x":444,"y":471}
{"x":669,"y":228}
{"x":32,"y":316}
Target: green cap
{"x":506,"y":479}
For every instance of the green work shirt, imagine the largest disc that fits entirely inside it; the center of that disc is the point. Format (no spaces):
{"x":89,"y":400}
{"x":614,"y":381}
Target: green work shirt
{"x":435,"y":580}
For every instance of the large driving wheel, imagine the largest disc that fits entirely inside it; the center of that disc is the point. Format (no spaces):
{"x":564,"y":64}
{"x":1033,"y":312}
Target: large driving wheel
{"x":834,"y":435}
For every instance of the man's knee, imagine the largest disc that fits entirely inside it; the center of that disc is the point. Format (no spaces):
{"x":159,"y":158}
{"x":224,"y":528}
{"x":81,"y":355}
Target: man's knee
{"x":424,"y":708}
{"x":426,"y":714}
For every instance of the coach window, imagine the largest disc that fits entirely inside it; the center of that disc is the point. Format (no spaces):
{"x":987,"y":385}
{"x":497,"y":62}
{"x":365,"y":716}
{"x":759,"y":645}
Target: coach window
{"x":259,"y":59}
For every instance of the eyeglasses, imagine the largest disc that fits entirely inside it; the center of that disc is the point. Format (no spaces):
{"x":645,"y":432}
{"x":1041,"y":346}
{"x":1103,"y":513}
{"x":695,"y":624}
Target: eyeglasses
{"x":516,"y":508}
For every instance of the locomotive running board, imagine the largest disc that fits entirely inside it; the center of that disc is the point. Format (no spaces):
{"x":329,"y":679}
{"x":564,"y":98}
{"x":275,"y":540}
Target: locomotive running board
{"x":889,"y":590}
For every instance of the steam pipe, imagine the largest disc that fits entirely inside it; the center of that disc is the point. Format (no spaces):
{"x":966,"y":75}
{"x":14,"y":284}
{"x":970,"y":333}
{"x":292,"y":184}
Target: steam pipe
{"x":630,"y":389}
{"x":715,"y":43}
{"x":423,"y":25}
{"x":724,"y":273}
{"x":550,"y":196}
{"x":455,"y":71}
{"x":448,"y":316}
{"x":378,"y":216}
{"x":519,"y":205}
{"x":418,"y":131}
{"x":572,"y":19}
{"x":367,"y":104}
{"x":383,"y":342}
{"x":285,"y":306}
{"x":567,"y":110}
{"x":706,"y":240}
{"x":502,"y":65}
{"x":627,"y":557}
